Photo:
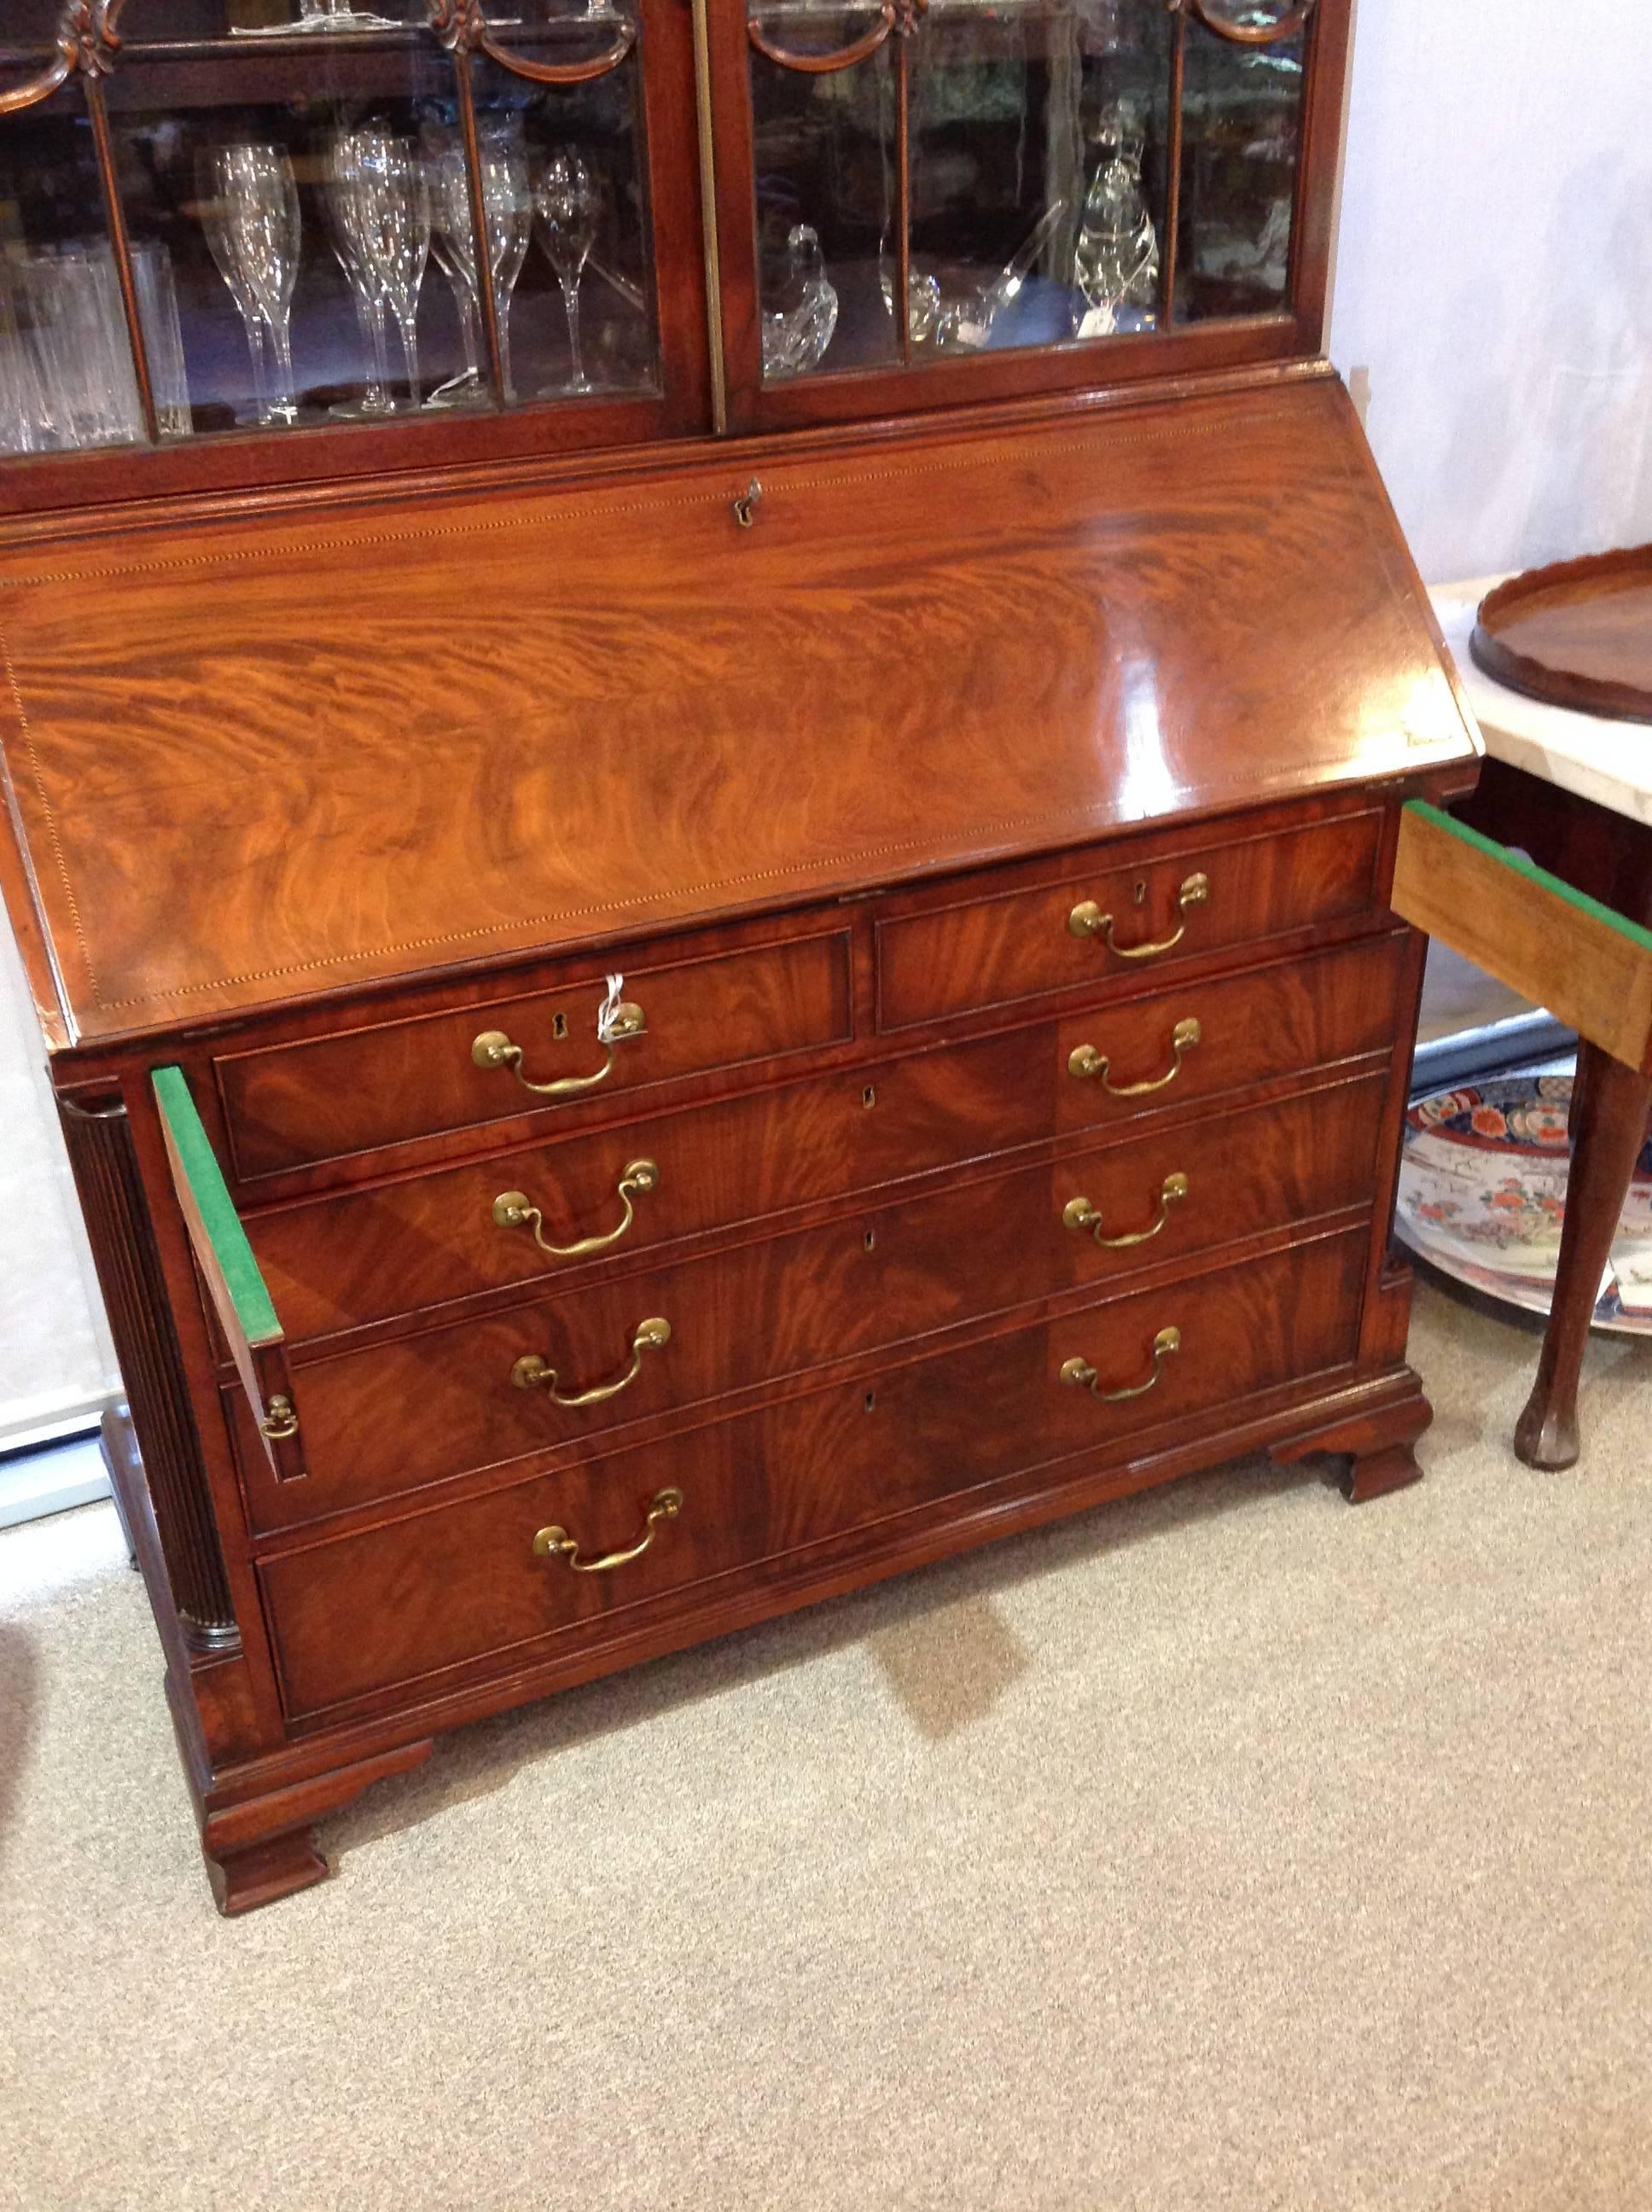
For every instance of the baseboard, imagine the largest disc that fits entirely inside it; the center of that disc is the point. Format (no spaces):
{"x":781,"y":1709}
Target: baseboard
{"x":1466,"y":1054}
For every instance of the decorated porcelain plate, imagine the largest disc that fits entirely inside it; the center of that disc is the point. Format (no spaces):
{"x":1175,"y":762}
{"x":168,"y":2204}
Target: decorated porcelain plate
{"x":1483,"y":1192}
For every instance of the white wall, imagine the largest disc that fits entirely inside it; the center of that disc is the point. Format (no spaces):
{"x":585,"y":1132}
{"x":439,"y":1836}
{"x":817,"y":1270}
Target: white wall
{"x":55,"y":1361}
{"x":1494,"y":273}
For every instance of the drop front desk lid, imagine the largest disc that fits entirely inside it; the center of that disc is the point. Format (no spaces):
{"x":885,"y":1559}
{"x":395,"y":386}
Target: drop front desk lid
{"x":251,"y":761}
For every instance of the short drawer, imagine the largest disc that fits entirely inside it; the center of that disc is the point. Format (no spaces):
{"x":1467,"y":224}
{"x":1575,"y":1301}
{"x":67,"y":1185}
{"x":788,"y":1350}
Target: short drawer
{"x":759,"y":1312}
{"x":1111,"y":914}
{"x":1195,"y":1038}
{"x":293,"y":1105}
{"x":466,"y":1587}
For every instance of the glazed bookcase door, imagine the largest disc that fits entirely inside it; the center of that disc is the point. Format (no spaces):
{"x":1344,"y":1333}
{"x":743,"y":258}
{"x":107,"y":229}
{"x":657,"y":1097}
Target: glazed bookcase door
{"x":925,"y":201}
{"x":253,"y":241}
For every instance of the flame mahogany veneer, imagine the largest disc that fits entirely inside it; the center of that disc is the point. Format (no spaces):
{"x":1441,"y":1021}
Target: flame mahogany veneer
{"x":301,"y":802}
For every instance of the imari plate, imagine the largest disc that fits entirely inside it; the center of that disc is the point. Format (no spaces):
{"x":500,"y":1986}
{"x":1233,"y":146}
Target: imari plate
{"x":1483,"y":1193}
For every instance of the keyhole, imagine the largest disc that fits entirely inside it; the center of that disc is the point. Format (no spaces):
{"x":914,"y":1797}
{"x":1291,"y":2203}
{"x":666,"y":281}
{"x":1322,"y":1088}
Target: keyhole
{"x":869,"y":1095}
{"x":1141,"y":892}
{"x":559,"y":1025}
{"x":869,"y":1239}
{"x":871,"y":1402}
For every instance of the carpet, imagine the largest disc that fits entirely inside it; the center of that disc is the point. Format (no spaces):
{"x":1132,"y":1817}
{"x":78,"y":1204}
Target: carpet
{"x":1225,"y":1847}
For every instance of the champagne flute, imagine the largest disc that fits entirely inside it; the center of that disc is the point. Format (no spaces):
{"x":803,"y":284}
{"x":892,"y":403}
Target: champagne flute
{"x":250,"y":211}
{"x":453,"y":243}
{"x":568,"y":203}
{"x":336,"y":184}
{"x":212,"y":206}
{"x":508,"y":195}
{"x":384,"y":208}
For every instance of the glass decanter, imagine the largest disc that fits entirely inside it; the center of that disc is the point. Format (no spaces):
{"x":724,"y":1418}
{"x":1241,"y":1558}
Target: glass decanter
{"x":1116,"y":265}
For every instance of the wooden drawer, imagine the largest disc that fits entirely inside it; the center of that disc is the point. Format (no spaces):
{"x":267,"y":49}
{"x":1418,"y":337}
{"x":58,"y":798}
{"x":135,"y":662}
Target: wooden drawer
{"x":292,"y":1105}
{"x":462,"y":1586}
{"x":762,"y":1311}
{"x":1201,"y":1036}
{"x":339,"y":1262}
{"x":975,"y":951}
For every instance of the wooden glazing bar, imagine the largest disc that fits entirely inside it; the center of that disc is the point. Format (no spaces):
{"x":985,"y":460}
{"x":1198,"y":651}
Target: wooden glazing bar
{"x":714,"y":265}
{"x":486,"y":290}
{"x":1173,"y":172}
{"x":120,"y":246}
{"x":903,"y":196}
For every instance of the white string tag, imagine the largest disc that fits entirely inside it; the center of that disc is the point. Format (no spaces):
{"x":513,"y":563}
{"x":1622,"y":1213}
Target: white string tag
{"x":609,"y":1009}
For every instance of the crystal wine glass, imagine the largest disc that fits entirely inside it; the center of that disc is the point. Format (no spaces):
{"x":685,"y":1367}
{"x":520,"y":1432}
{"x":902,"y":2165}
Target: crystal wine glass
{"x":250,"y":211}
{"x":453,"y":243}
{"x":507,"y":202}
{"x":568,"y":204}
{"x":507,"y":194}
{"x":384,"y":207}
{"x":338,"y":173}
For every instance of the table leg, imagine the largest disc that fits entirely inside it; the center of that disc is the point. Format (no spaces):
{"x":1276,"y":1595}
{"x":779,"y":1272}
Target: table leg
{"x":1610,"y":1128}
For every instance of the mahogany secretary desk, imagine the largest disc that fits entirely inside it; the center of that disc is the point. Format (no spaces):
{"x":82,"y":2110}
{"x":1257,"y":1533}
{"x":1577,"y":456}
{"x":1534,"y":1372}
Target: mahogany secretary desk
{"x":706,"y":706}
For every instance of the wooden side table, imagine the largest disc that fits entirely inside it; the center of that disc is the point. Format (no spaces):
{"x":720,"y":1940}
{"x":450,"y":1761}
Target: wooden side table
{"x":1575,"y":792}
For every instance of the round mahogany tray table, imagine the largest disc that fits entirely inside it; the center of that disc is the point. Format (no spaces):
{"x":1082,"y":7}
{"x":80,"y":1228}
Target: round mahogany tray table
{"x":1578,"y":634}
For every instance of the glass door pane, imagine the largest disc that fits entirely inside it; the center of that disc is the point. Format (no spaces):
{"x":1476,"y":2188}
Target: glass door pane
{"x":1241,"y":141}
{"x":1072,"y":182}
{"x":66,"y":376}
{"x":374,"y":213}
{"x":828,"y":197}
{"x":277,"y":162}
{"x":1038,"y":172}
{"x":573,"y":266}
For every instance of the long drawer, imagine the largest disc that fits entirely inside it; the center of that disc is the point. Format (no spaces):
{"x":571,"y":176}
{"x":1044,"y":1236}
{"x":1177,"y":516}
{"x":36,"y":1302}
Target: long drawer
{"x":1110,"y":911}
{"x":324,"y":1098}
{"x":763,"y":1310}
{"x":463,"y":1586}
{"x":343,"y":1261}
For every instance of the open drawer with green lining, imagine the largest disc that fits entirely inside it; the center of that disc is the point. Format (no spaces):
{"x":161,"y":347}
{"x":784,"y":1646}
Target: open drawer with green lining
{"x":1592,"y":968}
{"x":240,"y":1297}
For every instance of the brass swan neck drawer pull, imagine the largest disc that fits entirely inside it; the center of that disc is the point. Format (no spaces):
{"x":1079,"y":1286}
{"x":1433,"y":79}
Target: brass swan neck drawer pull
{"x":493,"y":1049}
{"x":1080,"y":1213}
{"x":554,"y":1543}
{"x":1085,"y":1061}
{"x":1087,"y":920}
{"x":514,"y":1209}
{"x":529,"y":1372}
{"x":1166,"y":1342}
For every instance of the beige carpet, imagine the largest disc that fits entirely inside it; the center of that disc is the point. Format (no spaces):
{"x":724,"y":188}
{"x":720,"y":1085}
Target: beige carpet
{"x":1224,"y":1848}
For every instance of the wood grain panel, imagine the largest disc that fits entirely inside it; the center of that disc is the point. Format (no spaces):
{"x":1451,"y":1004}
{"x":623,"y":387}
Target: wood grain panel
{"x":288,"y":1106}
{"x":410,"y":1599}
{"x":989,"y":949}
{"x":758,"y":1312}
{"x":336,"y":767}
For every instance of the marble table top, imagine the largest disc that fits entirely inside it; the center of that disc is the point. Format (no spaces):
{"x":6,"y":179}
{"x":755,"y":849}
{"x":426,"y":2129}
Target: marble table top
{"x":1608,"y":761}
